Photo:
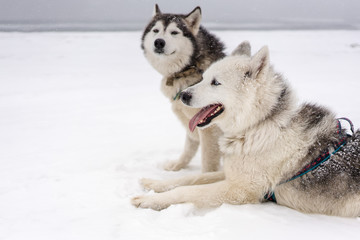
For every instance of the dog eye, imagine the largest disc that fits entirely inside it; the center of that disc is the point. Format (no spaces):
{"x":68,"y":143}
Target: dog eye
{"x":214,"y":82}
{"x":156,"y":30}
{"x":174,"y":33}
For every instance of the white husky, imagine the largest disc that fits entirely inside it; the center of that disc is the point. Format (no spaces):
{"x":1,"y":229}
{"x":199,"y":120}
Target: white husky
{"x":273,"y":147}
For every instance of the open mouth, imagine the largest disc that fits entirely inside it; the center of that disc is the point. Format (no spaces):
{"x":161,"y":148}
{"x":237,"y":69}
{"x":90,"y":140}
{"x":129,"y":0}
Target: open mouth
{"x":205,"y":115}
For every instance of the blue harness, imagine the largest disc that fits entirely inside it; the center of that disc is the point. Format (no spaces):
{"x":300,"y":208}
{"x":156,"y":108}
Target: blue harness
{"x":326,"y":155}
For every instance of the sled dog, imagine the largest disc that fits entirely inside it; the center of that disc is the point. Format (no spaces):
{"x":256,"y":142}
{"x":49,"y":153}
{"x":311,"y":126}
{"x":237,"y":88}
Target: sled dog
{"x":180,"y":50}
{"x":298,"y":155}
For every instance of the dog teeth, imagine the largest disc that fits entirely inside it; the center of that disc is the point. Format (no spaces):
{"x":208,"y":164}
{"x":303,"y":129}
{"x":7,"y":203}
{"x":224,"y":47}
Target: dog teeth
{"x":211,"y":114}
{"x":216,"y":110}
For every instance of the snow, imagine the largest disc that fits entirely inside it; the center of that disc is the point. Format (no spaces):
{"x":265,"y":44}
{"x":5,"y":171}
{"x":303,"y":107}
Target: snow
{"x":82,"y":119}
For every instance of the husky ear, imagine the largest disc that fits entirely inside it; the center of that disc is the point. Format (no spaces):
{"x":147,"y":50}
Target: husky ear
{"x":260,"y":62}
{"x":243,"y":49}
{"x":193,"y":19}
{"x":156,"y":10}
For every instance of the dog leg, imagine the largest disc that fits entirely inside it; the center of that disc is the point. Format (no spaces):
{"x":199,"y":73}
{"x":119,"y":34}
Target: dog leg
{"x":166,"y":185}
{"x":191,"y":147}
{"x":210,"y":151}
{"x":203,"y":196}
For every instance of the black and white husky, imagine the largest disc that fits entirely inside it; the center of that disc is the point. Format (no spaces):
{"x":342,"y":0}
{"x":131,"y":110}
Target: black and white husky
{"x":180,"y":49}
{"x":273,"y":148}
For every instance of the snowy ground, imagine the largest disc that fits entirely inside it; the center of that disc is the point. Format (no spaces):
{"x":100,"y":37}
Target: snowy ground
{"x":82,"y":119}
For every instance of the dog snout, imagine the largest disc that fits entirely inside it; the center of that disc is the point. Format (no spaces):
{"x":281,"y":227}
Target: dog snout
{"x":185,"y":97}
{"x":159,"y":43}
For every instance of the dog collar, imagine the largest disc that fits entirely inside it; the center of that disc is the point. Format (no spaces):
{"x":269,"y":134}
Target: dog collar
{"x":326,"y":155}
{"x":188,"y":71}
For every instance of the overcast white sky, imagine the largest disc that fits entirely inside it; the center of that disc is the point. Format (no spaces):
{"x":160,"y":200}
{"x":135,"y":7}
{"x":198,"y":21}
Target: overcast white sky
{"x":133,"y":14}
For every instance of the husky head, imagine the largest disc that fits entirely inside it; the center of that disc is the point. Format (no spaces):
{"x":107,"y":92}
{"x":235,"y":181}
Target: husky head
{"x":235,"y":92}
{"x":169,"y":40}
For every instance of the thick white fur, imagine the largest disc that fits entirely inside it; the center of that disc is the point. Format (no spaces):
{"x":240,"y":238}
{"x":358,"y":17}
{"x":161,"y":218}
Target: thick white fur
{"x":258,"y":151}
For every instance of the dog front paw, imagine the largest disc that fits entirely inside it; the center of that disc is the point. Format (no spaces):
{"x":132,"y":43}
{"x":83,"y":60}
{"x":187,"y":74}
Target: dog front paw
{"x":156,"y":185}
{"x":174,"y":165}
{"x":148,"y":202}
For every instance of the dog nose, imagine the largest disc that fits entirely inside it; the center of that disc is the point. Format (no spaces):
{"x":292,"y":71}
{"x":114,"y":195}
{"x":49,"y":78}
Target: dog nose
{"x":159,"y":43}
{"x":185,"y":97}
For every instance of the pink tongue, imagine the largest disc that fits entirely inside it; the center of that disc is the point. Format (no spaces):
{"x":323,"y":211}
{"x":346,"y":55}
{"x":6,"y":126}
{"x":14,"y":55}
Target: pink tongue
{"x":202,"y":114}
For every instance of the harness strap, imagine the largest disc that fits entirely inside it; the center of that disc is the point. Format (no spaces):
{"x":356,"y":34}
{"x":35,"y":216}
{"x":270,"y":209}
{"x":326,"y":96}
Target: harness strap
{"x":177,"y":95}
{"x":270,"y":196}
{"x":317,"y":162}
{"x":179,"y":92}
{"x":350,"y":123}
